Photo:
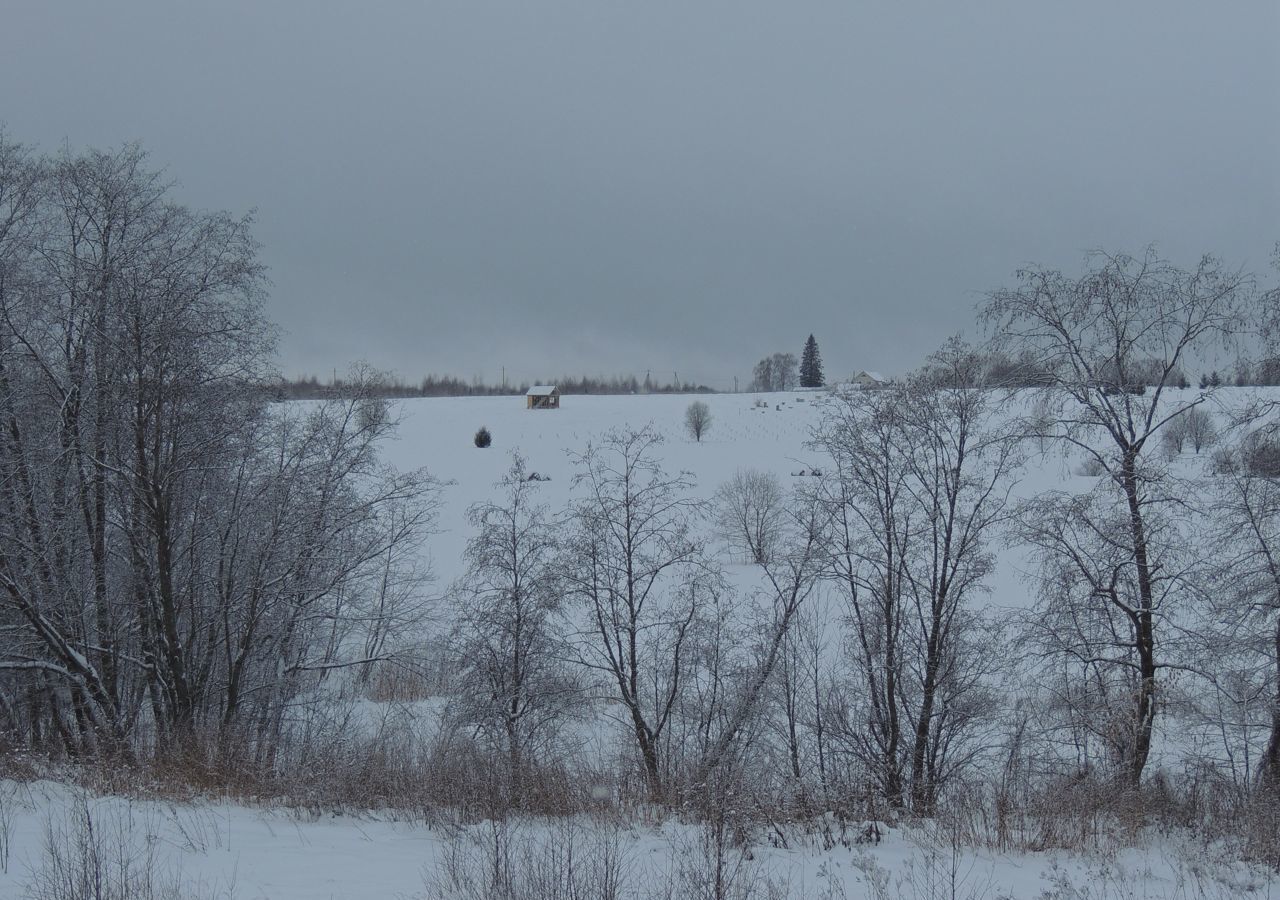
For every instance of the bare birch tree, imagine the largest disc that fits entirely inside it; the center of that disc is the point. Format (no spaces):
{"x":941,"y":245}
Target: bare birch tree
{"x":1091,"y":334}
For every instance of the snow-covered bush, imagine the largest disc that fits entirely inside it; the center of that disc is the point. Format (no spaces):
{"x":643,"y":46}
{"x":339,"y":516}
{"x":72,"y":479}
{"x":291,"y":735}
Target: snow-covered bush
{"x":505,"y":859}
{"x":91,"y":854}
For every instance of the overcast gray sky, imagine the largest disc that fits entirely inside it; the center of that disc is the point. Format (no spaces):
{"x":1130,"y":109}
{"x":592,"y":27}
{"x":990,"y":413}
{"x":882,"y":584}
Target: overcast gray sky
{"x":609,"y":187}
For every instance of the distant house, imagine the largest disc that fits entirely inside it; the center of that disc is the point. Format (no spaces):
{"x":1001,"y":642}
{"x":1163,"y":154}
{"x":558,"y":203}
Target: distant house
{"x":542,"y":396}
{"x":869,"y":379}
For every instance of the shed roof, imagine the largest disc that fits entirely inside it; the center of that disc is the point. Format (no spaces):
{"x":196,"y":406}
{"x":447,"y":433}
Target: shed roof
{"x":541,"y":390}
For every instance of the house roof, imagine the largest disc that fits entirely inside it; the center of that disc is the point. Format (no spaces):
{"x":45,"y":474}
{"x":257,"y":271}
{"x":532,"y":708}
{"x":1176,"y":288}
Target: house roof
{"x":874,"y":376}
{"x":541,"y":390}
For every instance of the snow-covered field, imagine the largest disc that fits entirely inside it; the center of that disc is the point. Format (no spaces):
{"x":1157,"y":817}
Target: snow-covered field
{"x":438,"y":434}
{"x":232,"y":852}
{"x":249,"y":853}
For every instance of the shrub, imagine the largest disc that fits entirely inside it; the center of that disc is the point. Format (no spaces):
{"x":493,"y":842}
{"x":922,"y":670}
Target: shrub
{"x":1091,"y":468}
{"x":1260,"y":454}
{"x":483,"y":437}
{"x":506,"y":859}
{"x":109,"y":854}
{"x":1200,"y":428}
{"x":1225,"y":462}
{"x":1194,"y":426}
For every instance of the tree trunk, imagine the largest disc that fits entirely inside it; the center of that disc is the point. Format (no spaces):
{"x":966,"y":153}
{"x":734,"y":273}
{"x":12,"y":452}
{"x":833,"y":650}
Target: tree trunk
{"x":922,"y":788}
{"x":1144,"y":624}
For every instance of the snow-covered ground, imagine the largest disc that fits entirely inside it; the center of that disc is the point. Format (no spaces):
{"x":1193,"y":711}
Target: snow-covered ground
{"x":247,"y":852}
{"x":220,"y":850}
{"x":437,"y":434}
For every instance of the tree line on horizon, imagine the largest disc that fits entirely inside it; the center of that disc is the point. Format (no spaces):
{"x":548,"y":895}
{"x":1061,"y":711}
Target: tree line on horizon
{"x":781,"y":372}
{"x":392,"y":387}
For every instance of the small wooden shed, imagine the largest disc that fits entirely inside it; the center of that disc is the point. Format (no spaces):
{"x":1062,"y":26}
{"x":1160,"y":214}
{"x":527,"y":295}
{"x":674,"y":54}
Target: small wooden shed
{"x":542,"y":396}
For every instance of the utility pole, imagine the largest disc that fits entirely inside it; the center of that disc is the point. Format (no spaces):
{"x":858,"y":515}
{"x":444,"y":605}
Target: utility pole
{"x":735,"y":384}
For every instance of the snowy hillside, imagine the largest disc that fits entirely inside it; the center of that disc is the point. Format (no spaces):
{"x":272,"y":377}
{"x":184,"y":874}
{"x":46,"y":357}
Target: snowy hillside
{"x":437,"y":434}
{"x":225,"y":849}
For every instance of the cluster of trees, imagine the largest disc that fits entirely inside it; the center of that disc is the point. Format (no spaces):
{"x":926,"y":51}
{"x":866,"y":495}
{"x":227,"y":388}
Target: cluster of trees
{"x":618,"y":597}
{"x":175,"y":562}
{"x":1154,"y":585}
{"x":920,"y":476}
{"x":388,"y":386}
{"x":775,"y":373}
{"x":1005,"y":368}
{"x":1263,"y":373}
{"x":781,"y":372}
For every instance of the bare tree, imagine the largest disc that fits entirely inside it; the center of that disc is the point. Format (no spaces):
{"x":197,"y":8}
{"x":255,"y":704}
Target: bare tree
{"x":785,"y":370}
{"x":1091,"y":333}
{"x":869,"y":529}
{"x":762,"y":375}
{"x":1244,"y":616}
{"x":1194,"y":425}
{"x":318,"y":547}
{"x":633,"y":563}
{"x":790,"y":579}
{"x":1088,"y":619}
{"x":515,"y":690}
{"x":697,"y":419}
{"x":114,"y":272}
{"x":960,"y":470}
{"x":749,"y":511}
{"x":775,"y":373}
{"x":1173,"y":437}
{"x":800,"y":695}
{"x":54,"y":494}
{"x":921,"y":475}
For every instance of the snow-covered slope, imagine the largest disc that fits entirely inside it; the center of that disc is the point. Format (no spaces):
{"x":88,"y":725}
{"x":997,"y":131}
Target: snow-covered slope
{"x":241,"y":852}
{"x":437,"y":434}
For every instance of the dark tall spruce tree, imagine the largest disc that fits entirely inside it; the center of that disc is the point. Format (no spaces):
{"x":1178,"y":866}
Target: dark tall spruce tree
{"x":811,"y":365}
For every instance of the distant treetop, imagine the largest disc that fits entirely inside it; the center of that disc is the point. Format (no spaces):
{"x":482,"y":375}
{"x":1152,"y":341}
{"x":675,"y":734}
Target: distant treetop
{"x":811,"y":365}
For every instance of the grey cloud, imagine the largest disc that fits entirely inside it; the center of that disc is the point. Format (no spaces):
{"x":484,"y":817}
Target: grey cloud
{"x":599,"y":186}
